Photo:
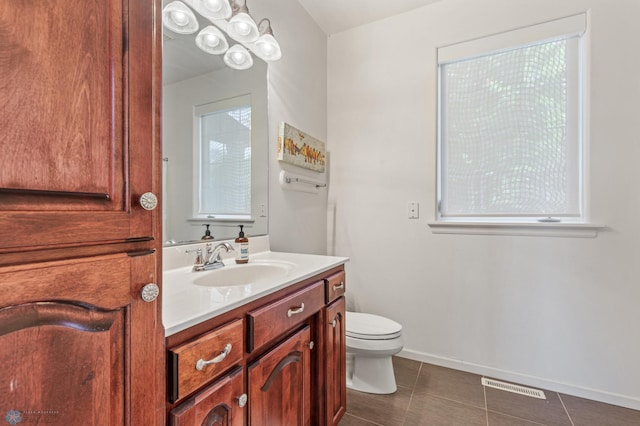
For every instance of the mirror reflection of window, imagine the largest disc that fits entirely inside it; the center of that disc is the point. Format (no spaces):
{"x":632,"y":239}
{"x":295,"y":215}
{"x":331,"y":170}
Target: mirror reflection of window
{"x":224,"y":143}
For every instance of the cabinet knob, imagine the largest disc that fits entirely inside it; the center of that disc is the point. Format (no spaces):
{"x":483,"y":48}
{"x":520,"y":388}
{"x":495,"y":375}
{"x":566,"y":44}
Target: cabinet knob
{"x":334,"y":323}
{"x":201,"y":363}
{"x":150,"y":292}
{"x":148,"y":201}
{"x":242,"y":400}
{"x":311,"y":344}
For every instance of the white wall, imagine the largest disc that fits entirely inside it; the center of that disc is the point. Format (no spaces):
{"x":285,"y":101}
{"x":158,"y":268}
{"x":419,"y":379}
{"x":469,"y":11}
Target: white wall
{"x":559,"y":313}
{"x":297,"y":95}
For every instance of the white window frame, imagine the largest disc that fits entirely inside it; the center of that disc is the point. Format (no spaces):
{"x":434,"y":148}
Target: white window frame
{"x":553,"y":30}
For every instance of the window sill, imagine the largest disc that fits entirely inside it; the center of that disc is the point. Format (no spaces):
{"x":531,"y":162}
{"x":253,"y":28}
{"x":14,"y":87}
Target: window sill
{"x":575,"y":230}
{"x":228,"y":219}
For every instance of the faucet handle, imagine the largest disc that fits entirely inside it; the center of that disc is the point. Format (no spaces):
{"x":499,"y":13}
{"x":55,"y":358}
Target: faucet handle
{"x":198,"y":264}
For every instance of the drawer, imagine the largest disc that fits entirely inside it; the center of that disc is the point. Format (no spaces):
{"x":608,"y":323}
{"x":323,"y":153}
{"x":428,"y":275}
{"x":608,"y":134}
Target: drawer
{"x":193,"y":364}
{"x":269,"y":321}
{"x":335,"y":286}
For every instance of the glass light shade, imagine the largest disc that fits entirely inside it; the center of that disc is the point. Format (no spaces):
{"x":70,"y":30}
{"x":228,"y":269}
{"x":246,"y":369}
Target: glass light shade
{"x":214,"y":9}
{"x":267,"y":48}
{"x":212,"y":41}
{"x":242,"y":28}
{"x":177,"y":17}
{"x":238,"y":58}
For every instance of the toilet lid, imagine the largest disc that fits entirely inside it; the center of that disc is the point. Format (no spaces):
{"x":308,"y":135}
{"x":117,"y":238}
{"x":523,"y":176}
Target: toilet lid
{"x":371,"y":327}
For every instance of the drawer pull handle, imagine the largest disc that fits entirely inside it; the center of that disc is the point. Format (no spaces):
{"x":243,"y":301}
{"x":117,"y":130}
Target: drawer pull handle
{"x":201,"y":364}
{"x":338,"y":286}
{"x":294,"y":311}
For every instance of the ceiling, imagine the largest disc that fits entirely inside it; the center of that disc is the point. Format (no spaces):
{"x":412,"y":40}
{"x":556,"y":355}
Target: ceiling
{"x":334,"y":16}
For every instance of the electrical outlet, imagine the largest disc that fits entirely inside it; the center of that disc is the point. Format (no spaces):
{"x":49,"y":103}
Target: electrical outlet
{"x":263,"y":210}
{"x":413,"y":208}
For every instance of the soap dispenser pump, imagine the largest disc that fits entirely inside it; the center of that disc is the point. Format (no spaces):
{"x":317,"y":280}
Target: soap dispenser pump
{"x":207,"y":234}
{"x":242,"y":252}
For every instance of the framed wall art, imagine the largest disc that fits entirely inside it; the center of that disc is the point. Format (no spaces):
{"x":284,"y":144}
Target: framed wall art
{"x":300,"y":149}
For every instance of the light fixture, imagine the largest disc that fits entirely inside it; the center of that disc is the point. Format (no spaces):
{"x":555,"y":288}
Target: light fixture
{"x":214,"y":9}
{"x":227,"y":16}
{"x":241,"y":26}
{"x":266,"y":47}
{"x":212,"y":41}
{"x":179,"y":18}
{"x":238,"y":58}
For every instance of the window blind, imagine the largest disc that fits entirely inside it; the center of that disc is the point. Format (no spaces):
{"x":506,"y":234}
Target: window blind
{"x":510,"y":127}
{"x":225,"y":160}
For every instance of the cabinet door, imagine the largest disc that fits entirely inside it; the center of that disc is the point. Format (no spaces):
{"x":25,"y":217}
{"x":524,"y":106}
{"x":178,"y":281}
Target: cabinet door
{"x":280,"y":383}
{"x":222,"y":403}
{"x":77,"y":146}
{"x":78,"y":345}
{"x":335,"y":362}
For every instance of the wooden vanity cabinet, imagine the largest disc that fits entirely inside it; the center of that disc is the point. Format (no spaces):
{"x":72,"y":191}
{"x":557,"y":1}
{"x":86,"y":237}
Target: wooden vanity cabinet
{"x":79,"y":145}
{"x":294,"y":358}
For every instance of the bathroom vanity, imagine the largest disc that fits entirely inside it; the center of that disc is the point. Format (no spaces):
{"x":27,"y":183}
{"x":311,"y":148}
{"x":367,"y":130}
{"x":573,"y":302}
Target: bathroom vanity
{"x":268,"y":348}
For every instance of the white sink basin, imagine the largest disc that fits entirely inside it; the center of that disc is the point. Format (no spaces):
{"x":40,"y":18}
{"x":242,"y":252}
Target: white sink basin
{"x":241,"y":274}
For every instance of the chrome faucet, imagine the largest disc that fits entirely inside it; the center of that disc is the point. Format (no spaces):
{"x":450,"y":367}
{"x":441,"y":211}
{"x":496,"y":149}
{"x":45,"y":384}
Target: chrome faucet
{"x":213,"y":259}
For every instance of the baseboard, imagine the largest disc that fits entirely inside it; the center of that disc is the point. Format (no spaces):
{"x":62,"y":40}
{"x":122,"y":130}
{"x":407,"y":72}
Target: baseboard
{"x":539,"y":382}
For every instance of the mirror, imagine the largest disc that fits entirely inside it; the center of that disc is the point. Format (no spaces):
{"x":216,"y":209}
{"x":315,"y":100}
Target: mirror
{"x":195,"y":85}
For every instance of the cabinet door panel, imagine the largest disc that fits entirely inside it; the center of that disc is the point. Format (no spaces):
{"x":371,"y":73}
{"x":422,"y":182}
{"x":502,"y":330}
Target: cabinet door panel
{"x":77,"y":343}
{"x":64,"y":86}
{"x":335,"y":362}
{"x":71,"y":170}
{"x":216,"y":405}
{"x":280,"y":383}
{"x":62,"y":363}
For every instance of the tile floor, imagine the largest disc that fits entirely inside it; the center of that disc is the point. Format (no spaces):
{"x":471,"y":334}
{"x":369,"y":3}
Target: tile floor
{"x":429,"y":395}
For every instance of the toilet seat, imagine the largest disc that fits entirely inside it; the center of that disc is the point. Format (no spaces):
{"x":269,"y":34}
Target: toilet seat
{"x":371,"y":327}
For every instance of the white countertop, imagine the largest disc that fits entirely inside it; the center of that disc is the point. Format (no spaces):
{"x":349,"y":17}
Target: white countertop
{"x":185,"y":304}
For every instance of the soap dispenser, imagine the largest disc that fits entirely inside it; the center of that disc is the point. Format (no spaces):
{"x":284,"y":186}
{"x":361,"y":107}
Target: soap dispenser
{"x":242,"y":251}
{"x":207,"y":234}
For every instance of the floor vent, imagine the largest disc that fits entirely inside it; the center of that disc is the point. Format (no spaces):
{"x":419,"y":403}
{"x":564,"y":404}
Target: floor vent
{"x":534,"y":393}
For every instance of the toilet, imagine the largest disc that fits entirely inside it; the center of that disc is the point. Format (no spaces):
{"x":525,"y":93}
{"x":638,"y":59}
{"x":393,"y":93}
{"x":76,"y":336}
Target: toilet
{"x":371,"y":342}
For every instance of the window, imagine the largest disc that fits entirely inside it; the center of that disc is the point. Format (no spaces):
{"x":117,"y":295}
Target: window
{"x":224,"y":164}
{"x":510,"y":126}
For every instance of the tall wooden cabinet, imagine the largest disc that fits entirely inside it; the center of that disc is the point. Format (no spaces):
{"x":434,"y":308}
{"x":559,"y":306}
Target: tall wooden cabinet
{"x":81,"y":336}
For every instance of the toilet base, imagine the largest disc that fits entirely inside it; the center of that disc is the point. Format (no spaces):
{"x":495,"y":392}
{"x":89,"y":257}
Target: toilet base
{"x":371,"y":375}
